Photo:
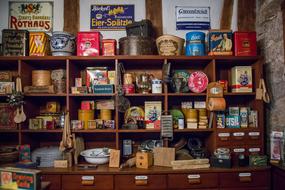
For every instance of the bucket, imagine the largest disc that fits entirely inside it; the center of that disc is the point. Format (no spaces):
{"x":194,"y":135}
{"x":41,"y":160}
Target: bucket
{"x":170,"y":45}
{"x":195,"y":44}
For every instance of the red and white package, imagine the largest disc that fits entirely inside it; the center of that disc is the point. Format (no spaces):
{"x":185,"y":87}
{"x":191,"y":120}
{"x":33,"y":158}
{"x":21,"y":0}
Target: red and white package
{"x":198,"y":82}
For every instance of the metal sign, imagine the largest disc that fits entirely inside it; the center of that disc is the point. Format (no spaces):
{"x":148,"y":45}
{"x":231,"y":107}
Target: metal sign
{"x":192,"y":18}
{"x":111,"y":17}
{"x":31,"y":15}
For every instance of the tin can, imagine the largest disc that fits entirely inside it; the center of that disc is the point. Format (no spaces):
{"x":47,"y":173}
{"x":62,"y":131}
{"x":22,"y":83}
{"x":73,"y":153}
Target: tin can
{"x":128,"y":78}
{"x":109,"y":47}
{"x":85,"y":116}
{"x":15,"y":42}
{"x":245,"y":43}
{"x":241,"y":79}
{"x":180,"y":123}
{"x":39,"y":44}
{"x":89,"y":43}
{"x":129,"y":88}
{"x":156,"y":86}
{"x":195,"y":44}
{"x":220,"y":42}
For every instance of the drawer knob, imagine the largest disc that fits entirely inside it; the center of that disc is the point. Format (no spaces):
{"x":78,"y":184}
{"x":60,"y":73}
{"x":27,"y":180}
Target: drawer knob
{"x":141,"y":180}
{"x":245,"y":177}
{"x":87,"y":180}
{"x":194,"y":179}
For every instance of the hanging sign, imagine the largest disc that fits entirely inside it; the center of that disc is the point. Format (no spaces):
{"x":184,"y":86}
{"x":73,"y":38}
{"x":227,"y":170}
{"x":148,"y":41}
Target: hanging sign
{"x":32,"y":16}
{"x":192,"y":18}
{"x":111,"y":17}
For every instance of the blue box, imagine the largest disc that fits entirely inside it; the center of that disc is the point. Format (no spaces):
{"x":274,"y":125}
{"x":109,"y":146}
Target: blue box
{"x":103,"y":89}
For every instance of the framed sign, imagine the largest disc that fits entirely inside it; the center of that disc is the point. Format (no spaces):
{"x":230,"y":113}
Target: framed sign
{"x":111,"y":17}
{"x":192,"y":18}
{"x":31,"y":15}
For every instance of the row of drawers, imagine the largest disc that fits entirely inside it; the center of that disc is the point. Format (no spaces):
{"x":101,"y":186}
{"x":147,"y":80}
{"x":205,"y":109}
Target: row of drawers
{"x":161,"y":181}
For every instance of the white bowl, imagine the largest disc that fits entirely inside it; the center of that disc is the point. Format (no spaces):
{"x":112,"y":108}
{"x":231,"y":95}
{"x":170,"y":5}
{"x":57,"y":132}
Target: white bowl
{"x":96,"y":155}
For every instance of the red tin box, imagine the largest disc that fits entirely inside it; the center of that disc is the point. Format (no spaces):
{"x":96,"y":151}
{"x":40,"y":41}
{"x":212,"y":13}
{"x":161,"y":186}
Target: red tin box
{"x":245,"y":43}
{"x":109,"y":47}
{"x":89,"y":43}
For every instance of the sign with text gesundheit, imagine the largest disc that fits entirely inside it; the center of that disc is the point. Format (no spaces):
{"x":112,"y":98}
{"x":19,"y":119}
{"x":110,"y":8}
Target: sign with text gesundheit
{"x":192,"y":18}
{"x":111,"y":17}
{"x":31,"y":15}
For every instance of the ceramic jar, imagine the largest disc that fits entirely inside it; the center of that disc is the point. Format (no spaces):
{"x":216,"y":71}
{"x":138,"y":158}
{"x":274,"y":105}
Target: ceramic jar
{"x":62,"y":44}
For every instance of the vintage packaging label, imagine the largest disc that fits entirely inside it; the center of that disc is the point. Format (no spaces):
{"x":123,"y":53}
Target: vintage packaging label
{"x":243,"y":117}
{"x":111,"y":77}
{"x":96,"y":75}
{"x":15,"y":42}
{"x":39,"y":44}
{"x":221,"y":120}
{"x":245,"y":44}
{"x":241,"y":79}
{"x":109,"y":47}
{"x":89,"y":43}
{"x":232,"y":121}
{"x":153,"y":114}
{"x":220,"y":42}
{"x":253,"y":118}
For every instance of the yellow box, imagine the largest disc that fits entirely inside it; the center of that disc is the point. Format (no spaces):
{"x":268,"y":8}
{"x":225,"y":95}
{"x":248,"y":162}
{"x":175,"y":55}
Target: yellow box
{"x":39,"y":44}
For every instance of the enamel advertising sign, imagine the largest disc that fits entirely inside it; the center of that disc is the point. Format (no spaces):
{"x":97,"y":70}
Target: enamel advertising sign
{"x":32,"y":16}
{"x":111,"y":17}
{"x":192,"y":18}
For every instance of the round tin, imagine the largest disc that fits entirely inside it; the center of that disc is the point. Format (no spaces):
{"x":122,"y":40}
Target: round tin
{"x":156,"y":87}
{"x":198,"y":82}
{"x":195,"y":44}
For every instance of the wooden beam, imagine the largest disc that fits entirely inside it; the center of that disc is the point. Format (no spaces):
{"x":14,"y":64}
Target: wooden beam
{"x":71,"y":16}
{"x":153,"y":10}
{"x":226,"y":19}
{"x":246,"y":15}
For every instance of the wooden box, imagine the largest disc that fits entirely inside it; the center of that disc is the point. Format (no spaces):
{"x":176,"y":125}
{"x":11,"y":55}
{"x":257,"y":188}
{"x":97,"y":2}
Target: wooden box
{"x":144,"y":160}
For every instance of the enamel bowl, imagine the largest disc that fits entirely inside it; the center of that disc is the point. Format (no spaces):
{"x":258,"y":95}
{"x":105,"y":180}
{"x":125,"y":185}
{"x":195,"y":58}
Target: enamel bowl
{"x":96,"y":155}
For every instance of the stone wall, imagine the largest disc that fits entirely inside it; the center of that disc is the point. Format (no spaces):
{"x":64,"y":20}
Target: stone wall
{"x":269,"y":24}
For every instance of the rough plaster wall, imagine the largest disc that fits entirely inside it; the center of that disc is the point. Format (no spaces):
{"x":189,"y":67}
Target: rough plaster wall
{"x":270,"y":39}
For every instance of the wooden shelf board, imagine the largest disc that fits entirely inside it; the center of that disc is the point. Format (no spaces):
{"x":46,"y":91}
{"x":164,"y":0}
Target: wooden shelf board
{"x":248,"y":129}
{"x":41,"y":131}
{"x":9,"y":130}
{"x":240,"y":94}
{"x":193,"y":130}
{"x":186,"y":94}
{"x":90,"y":95}
{"x":139,"y":130}
{"x":45,"y":94}
{"x":95,"y":131}
{"x":149,"y":94}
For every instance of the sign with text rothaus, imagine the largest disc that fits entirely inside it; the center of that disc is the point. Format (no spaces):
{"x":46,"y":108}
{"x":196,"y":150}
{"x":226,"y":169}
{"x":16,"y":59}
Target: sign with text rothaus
{"x":31,"y":15}
{"x":192,"y":18}
{"x":111,"y":17}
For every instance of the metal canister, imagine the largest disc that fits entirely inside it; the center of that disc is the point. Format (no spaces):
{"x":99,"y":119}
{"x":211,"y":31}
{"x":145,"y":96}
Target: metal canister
{"x":85,"y":116}
{"x":156,"y":86}
{"x":195,"y":44}
{"x":15,"y":42}
{"x":39,"y":44}
{"x":41,"y":78}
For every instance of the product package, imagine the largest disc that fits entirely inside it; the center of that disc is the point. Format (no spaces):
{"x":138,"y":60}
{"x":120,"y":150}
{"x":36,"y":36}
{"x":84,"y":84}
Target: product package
{"x":245,"y":43}
{"x":241,"y":79}
{"x":89,"y":44}
{"x":220,"y":42}
{"x":39,"y":44}
{"x":152,"y":114}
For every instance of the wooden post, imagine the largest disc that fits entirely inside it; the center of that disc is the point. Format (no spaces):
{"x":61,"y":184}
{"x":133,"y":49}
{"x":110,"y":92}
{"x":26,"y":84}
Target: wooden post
{"x":153,"y":10}
{"x":71,"y":16}
{"x":246,"y":15}
{"x":226,"y":19}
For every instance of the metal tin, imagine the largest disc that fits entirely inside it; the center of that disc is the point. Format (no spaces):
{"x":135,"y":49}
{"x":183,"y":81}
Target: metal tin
{"x":15,"y":42}
{"x":141,"y":28}
{"x":220,"y":42}
{"x":129,"y":88}
{"x":89,"y":43}
{"x":241,"y":79}
{"x":109,"y":47}
{"x":62,"y":44}
{"x":195,"y":44}
{"x":245,"y":43}
{"x":198,"y":82}
{"x":39,"y":44}
{"x":136,"y":45}
{"x":156,"y":87}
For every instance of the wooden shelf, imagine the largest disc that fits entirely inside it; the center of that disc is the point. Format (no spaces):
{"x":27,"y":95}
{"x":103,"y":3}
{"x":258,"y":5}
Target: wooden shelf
{"x":9,"y":130}
{"x":186,"y":94}
{"x":240,"y":94}
{"x":90,"y":95}
{"x":193,"y":130}
{"x":139,"y":130}
{"x":94,"y":131}
{"x":41,"y":131}
{"x":45,"y":94}
{"x":140,"y":94}
{"x":248,"y":129}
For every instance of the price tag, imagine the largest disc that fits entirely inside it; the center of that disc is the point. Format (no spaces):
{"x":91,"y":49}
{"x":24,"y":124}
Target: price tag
{"x":239,"y":134}
{"x":141,"y":177}
{"x":87,"y":178}
{"x":254,"y":134}
{"x":254,"y":150}
{"x":244,"y":174}
{"x":194,"y":176}
{"x":238,"y":150}
{"x":224,"y":134}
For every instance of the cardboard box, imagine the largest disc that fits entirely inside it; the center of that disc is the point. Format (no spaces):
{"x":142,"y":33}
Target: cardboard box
{"x":109,"y":47}
{"x":220,"y":42}
{"x":152,"y":114}
{"x":241,"y":79}
{"x":29,"y":179}
{"x":245,"y":43}
{"x":89,"y":44}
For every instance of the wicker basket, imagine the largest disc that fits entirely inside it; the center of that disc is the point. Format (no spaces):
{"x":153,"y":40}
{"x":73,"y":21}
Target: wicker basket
{"x":8,"y":154}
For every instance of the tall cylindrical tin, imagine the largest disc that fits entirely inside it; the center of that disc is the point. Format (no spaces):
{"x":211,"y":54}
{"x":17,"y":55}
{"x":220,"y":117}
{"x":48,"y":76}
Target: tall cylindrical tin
{"x":195,"y":44}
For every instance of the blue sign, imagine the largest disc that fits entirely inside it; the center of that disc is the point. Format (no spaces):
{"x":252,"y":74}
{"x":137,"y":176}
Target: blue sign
{"x":111,"y":17}
{"x":192,"y":18}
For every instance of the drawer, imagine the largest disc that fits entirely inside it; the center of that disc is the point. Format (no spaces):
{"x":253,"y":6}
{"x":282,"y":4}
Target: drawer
{"x":191,"y":181}
{"x":55,"y":181}
{"x":140,"y":182}
{"x":245,"y":179}
{"x":76,"y":182}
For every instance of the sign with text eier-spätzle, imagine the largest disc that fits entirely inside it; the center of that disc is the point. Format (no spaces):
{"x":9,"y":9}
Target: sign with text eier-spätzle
{"x":111,"y":17}
{"x":31,"y":15}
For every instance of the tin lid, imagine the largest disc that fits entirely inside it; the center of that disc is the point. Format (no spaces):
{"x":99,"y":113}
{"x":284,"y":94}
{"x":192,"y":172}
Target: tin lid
{"x":198,"y":82}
